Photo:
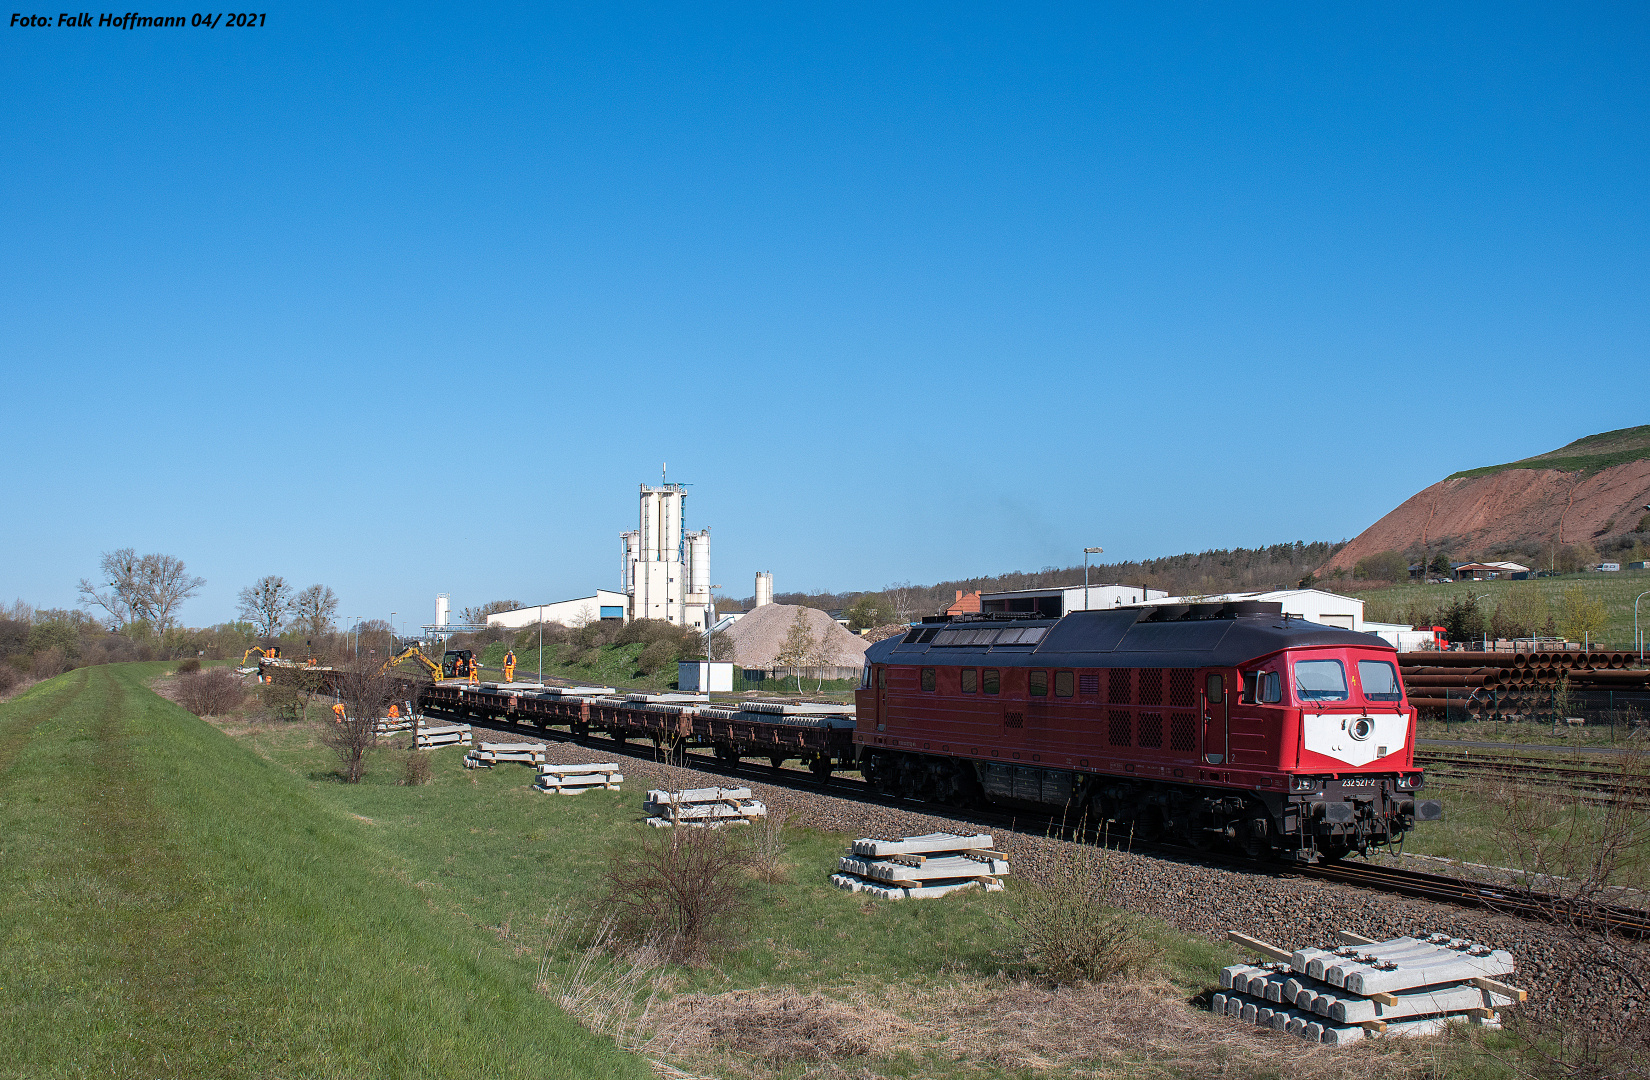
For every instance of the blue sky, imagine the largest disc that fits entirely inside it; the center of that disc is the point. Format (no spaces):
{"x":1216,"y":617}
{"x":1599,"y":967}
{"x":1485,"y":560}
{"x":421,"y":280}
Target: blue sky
{"x":408,"y":300}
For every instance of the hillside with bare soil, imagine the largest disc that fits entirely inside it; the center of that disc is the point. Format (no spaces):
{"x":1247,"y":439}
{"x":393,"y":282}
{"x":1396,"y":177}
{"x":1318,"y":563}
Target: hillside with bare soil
{"x":1584,"y":496}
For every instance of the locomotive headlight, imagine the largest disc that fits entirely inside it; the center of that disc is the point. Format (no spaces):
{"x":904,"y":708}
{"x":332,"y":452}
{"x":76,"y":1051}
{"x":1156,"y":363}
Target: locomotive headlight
{"x":1409,"y":781}
{"x":1361,"y":728}
{"x":1303,"y":783}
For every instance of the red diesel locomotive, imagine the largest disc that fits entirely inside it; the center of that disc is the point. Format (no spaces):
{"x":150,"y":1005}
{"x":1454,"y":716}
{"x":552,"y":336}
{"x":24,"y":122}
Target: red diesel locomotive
{"x":1205,"y":723}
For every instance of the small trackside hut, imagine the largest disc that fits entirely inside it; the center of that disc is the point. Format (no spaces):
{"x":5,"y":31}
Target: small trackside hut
{"x":1219,"y":723}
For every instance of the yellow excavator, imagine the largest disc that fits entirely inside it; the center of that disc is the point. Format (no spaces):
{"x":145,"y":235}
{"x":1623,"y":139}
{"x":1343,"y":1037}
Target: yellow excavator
{"x":269,"y":652}
{"x":456,"y":664}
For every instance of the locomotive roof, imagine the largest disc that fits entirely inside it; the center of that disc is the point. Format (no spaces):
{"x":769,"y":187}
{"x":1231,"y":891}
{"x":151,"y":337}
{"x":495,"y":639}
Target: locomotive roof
{"x":1146,"y":636}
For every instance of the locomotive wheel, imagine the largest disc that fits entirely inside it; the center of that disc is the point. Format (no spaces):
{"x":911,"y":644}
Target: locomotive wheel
{"x":1255,"y":842}
{"x":1148,"y":825}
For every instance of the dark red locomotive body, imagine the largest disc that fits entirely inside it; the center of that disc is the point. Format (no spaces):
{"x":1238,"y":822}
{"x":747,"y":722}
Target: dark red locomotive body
{"x":1208,"y":723}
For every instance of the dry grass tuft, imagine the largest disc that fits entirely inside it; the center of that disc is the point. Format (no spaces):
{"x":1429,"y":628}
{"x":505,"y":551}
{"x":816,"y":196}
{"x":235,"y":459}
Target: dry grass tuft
{"x":997,"y":1025}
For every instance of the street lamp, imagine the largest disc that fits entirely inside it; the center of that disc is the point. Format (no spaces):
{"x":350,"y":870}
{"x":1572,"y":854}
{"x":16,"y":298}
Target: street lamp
{"x":1086,"y":553}
{"x":1486,"y":625}
{"x":710,"y":629}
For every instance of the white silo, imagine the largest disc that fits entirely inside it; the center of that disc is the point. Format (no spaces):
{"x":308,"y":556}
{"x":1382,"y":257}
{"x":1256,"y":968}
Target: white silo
{"x":443,"y":609}
{"x":764,"y":587}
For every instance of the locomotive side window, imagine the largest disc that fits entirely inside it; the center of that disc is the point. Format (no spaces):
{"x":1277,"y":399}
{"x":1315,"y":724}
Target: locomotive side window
{"x":928,"y":680}
{"x":882,"y":678}
{"x":1262,"y":688}
{"x":1216,"y":687}
{"x":989,"y":680}
{"x":1038,"y":683}
{"x":865,"y":679}
{"x":970,"y":680}
{"x":1380,"y":680}
{"x":1062,"y":683}
{"x":1320,"y":680}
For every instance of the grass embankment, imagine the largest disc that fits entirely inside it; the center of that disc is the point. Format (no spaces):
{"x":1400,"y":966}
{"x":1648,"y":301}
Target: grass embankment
{"x":615,"y":665}
{"x":173,"y":905}
{"x":187,"y":901}
{"x":608,"y":665}
{"x":1592,"y":454}
{"x":1616,"y":590}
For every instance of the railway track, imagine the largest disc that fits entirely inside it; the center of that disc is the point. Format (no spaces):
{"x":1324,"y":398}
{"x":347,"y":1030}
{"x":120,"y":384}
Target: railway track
{"x":1599,"y":785}
{"x":1463,"y":892}
{"x":1507,"y":899}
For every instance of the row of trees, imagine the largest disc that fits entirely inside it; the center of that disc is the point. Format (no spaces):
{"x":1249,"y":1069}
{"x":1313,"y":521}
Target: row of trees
{"x":1521,"y":613}
{"x":271,"y":606}
{"x":1217,"y":570}
{"x":137,"y":588}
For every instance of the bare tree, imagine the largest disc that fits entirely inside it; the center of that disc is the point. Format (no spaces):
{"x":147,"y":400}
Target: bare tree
{"x":799,"y":648}
{"x":266,"y":604}
{"x":314,"y":610}
{"x":1582,"y":853}
{"x":133,"y":588}
{"x":477,"y":616}
{"x":904,"y":598}
{"x":167,"y":583}
{"x":118,"y":592}
{"x":367,"y":694}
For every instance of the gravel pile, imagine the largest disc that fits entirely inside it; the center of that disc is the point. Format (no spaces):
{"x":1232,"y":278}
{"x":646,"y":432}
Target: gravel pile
{"x":883,"y":632}
{"x":758,"y":637}
{"x":1196,"y":898}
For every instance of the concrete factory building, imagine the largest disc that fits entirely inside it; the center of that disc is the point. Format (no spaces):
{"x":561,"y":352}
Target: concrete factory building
{"x":1054,"y":603}
{"x":605,"y":604}
{"x":666,"y":571}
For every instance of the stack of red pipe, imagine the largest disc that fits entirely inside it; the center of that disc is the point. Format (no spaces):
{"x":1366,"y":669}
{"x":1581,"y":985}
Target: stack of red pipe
{"x":1516,"y":681}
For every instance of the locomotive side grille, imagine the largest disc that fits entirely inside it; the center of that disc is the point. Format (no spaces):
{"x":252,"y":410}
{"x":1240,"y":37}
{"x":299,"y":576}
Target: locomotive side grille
{"x":1151,"y":730}
{"x":1182,"y":732}
{"x":1151,"y":686}
{"x":1117,"y":727}
{"x":1088,"y":684}
{"x":1117,"y":686}
{"x":1182,"y":689}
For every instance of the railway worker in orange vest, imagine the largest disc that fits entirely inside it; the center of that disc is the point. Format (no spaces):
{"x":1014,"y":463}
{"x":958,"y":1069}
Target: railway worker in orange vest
{"x":510,"y":666}
{"x":395,"y":711}
{"x":338,"y":713}
{"x":475,"y":672}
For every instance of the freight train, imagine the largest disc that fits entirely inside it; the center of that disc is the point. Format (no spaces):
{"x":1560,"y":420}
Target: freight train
{"x":1219,"y":724}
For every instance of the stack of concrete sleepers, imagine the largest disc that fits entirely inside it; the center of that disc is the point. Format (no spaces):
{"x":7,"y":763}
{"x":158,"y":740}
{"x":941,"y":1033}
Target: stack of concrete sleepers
{"x":390,"y":725}
{"x":702,"y":808}
{"x":577,"y":779}
{"x":1363,"y":988}
{"x":800,"y":714}
{"x":915,"y":867}
{"x":443,"y":735}
{"x":488,"y":754}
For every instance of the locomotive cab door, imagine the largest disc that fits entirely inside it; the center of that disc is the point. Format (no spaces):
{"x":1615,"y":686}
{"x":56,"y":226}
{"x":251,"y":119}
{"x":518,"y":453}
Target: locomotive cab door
{"x":1216,"y":720}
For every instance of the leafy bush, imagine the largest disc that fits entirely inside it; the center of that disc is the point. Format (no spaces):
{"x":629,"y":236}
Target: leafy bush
{"x":187,"y":666}
{"x":656,"y":656}
{"x":9,"y":678}
{"x":210,"y":693}
{"x":49,"y":662}
{"x":1064,"y":928}
{"x":1383,"y":566}
{"x":684,"y":888}
{"x":417,"y":770}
